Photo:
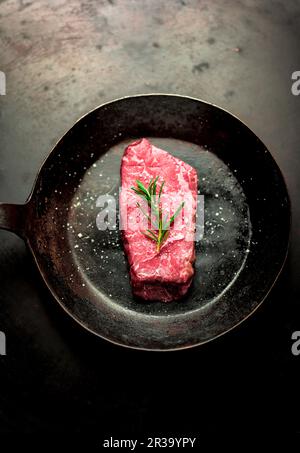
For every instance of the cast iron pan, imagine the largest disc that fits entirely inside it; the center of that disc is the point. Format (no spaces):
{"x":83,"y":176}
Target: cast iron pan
{"x":246,"y":230}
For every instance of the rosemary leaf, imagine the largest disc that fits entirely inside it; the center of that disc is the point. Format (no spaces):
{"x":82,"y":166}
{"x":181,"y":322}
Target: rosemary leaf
{"x":174,"y":215}
{"x":161,"y":225}
{"x":147,"y":235}
{"x":152,"y":234}
{"x":142,"y":188}
{"x":160,"y":190}
{"x":144,"y":212}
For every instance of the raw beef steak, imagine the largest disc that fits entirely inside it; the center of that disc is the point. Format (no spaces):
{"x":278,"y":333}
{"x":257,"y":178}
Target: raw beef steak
{"x":163,"y":275}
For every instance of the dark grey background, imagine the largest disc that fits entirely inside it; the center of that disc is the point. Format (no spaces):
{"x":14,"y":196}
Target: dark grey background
{"x":62,"y":58}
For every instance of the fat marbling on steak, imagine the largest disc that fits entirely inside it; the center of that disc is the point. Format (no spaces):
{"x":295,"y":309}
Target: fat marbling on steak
{"x":163,"y":275}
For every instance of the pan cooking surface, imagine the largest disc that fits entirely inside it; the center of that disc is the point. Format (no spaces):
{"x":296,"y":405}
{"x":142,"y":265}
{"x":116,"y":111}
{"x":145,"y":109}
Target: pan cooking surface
{"x":219,"y":254}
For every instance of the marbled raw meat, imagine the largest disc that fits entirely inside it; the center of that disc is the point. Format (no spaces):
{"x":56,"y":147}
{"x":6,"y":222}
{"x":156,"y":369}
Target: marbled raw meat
{"x":165,"y":275}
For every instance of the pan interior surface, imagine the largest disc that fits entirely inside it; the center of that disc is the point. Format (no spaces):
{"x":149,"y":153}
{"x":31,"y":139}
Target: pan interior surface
{"x":239,"y":254}
{"x":223,"y":232}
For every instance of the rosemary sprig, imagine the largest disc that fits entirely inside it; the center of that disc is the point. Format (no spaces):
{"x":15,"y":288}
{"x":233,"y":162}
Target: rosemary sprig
{"x":161,"y":225}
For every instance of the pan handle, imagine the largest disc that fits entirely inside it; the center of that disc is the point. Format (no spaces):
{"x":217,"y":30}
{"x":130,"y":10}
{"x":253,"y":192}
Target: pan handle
{"x":13,"y":218}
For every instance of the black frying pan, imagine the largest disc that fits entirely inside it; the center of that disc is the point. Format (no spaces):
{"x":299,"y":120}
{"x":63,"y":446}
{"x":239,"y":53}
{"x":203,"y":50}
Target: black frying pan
{"x":247,"y":221}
